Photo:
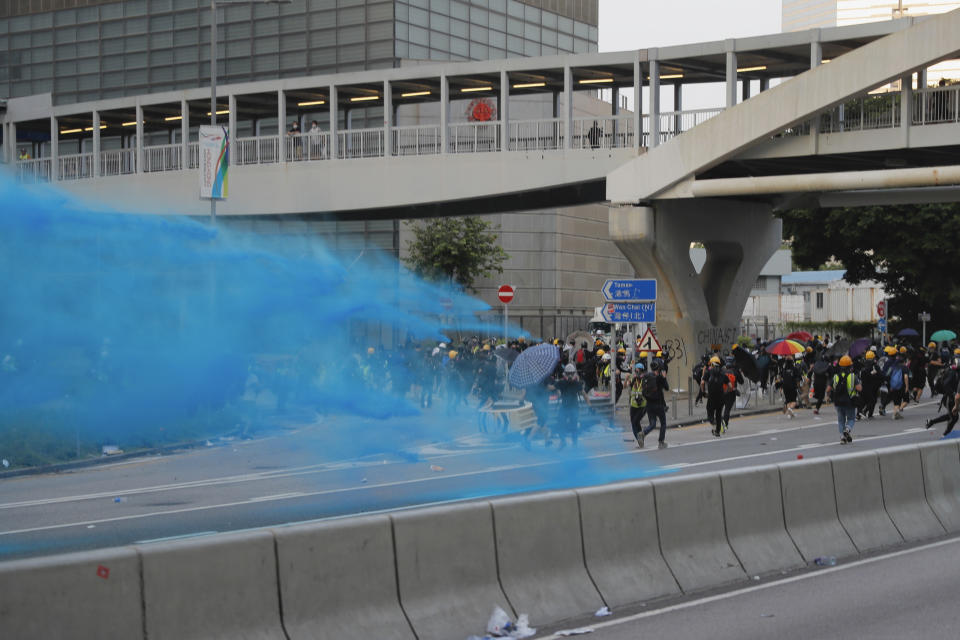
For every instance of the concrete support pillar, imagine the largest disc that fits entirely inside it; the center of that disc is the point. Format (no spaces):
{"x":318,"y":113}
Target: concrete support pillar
{"x":5,"y":148}
{"x":444,"y":113}
{"x":96,"y":144}
{"x":184,"y":134}
{"x":816,"y":59}
{"x":54,"y":149}
{"x":906,"y":107}
{"x":677,"y":107}
{"x":13,"y":142}
{"x":698,"y":311}
{"x":232,"y":129}
{"x":387,"y":119}
{"x":764,"y":84}
{"x":745,"y":90}
{"x":637,"y":102}
{"x":138,"y":146}
{"x":731,"y":75}
{"x":504,"y":114}
{"x":334,"y":123}
{"x":567,"y":107}
{"x":654,"y":103}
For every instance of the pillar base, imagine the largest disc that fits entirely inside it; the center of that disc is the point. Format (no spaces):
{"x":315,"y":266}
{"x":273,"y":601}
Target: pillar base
{"x":698,"y":312}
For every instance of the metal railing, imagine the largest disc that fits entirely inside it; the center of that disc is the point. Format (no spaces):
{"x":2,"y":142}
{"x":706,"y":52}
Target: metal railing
{"x":167,"y":157}
{"x":536,"y":135}
{"x":475,"y":137}
{"x":194,"y":160}
{"x":417,"y":140}
{"x":308,"y":146}
{"x":936,"y":105}
{"x":118,"y":162}
{"x":878,"y":111}
{"x":360,"y":143}
{"x":75,"y":166}
{"x":262,"y":150}
{"x":610,"y":132}
{"x":32,"y":171}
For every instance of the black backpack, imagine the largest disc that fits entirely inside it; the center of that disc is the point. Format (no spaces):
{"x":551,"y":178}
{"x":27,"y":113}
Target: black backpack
{"x":715,"y":380}
{"x":840,"y":391}
{"x":649,"y":386}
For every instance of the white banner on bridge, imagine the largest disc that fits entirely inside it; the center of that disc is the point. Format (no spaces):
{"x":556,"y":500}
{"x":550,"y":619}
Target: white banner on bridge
{"x":214,"y":161}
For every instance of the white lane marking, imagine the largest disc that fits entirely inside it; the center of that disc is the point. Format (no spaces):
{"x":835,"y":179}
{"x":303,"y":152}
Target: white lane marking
{"x":279,"y":496}
{"x":776,"y":583}
{"x":678,"y":465}
{"x":180,"y":537}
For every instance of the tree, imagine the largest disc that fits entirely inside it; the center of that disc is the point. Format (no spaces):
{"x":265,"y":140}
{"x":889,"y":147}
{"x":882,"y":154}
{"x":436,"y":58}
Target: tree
{"x":909,"y":249}
{"x":455,"y":249}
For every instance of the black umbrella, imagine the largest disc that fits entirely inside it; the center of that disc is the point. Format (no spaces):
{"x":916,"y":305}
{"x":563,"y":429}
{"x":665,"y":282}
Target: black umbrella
{"x":506,"y":354}
{"x":839,"y":348}
{"x":907,"y":332}
{"x":821,"y":366}
{"x":747,"y":363}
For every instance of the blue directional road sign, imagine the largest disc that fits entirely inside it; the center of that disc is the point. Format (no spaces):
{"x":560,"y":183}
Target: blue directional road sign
{"x":882,"y":325}
{"x":629,"y":290}
{"x":629,"y":312}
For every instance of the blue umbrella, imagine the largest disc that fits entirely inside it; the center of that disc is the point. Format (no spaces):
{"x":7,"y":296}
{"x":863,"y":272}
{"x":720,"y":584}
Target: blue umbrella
{"x":534,"y":365}
{"x":907,"y":332}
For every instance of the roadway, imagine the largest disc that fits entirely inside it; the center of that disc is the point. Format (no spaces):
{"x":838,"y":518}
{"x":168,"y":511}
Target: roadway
{"x":899,"y":594}
{"x":336,"y":467}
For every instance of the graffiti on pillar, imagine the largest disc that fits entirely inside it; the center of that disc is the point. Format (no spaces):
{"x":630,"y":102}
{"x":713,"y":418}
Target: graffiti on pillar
{"x":716,"y":338}
{"x":675,"y":350}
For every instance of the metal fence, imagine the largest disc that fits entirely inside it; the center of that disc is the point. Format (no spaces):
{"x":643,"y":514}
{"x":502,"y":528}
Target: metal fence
{"x":117,"y":162}
{"x":166,"y":157}
{"x":937,"y":105}
{"x":262,"y":150}
{"x":75,"y":167}
{"x":475,"y":137}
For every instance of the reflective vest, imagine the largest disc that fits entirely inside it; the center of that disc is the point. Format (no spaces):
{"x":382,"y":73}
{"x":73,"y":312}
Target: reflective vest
{"x":637,"y":401}
{"x":851,"y":387}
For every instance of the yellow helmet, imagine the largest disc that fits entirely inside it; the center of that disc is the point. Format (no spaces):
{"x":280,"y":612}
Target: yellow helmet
{"x":735,"y":345}
{"x":370,"y":350}
{"x":644,"y":354}
{"x":486,"y":347}
{"x":659,"y":354}
{"x":600,"y":352}
{"x":452,"y":354}
{"x":621,"y":350}
{"x":845,"y":361}
{"x":932,"y":345}
{"x":809,"y":349}
{"x":715,"y":360}
{"x":869,"y":355}
{"x":889,"y":350}
{"x":903,"y":349}
{"x":956,"y":351}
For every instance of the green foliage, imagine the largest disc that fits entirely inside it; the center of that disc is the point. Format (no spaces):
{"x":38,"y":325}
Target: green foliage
{"x":455,"y":249}
{"x":745,"y":342}
{"x":909,"y":249}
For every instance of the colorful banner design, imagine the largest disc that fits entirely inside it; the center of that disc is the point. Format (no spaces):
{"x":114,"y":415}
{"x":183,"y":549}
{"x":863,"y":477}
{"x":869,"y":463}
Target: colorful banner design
{"x":214,"y":161}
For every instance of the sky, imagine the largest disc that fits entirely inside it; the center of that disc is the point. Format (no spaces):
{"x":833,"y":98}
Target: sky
{"x":640,"y":24}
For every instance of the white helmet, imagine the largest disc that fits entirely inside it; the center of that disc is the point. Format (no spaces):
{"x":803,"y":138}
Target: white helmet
{"x":569,"y":369}
{"x":606,"y":357}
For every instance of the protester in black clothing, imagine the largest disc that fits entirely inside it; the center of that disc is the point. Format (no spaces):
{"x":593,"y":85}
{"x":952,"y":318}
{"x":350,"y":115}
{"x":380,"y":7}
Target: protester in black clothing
{"x":654,"y":384}
{"x":638,"y":403}
{"x":820,"y":374}
{"x":949,"y":383}
{"x":571,"y":394}
{"x":730,"y":392}
{"x":789,"y":381}
{"x":712,"y":386}
{"x":871,"y":378}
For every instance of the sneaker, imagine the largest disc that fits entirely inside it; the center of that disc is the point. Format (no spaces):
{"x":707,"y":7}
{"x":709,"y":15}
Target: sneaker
{"x":843,"y":440}
{"x":715,"y":432}
{"x":929,"y":423}
{"x":898,"y":416}
{"x":816,"y":412}
{"x":640,"y":437}
{"x":846,"y":436}
{"x":661,"y":445}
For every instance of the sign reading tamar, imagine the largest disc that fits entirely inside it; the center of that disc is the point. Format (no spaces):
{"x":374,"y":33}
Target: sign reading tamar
{"x":214,"y":161}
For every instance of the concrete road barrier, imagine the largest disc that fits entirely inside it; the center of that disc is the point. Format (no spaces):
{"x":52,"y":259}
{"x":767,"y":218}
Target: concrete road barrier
{"x":753,"y":513}
{"x":447,"y":569}
{"x":901,"y":474}
{"x":93,"y":594}
{"x":212,"y":588}
{"x":621,"y":543}
{"x":856,"y":479}
{"x":540,"y":555}
{"x":337,"y":580}
{"x":941,"y":479}
{"x":810,"y":510}
{"x":692,"y":534}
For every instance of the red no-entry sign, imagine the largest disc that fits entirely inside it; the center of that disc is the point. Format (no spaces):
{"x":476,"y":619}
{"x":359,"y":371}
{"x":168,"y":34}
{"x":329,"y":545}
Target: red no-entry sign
{"x":505,"y":293}
{"x":881,"y":308}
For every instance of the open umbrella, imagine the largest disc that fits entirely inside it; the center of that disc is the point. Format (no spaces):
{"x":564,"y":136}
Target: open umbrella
{"x":943,"y":335}
{"x":840,"y":347}
{"x":506,"y":354}
{"x":534,"y":365}
{"x":800,"y":336}
{"x":859,"y":347}
{"x":747,"y":363}
{"x":821,"y":366}
{"x":908,"y":332}
{"x":785,"y":347}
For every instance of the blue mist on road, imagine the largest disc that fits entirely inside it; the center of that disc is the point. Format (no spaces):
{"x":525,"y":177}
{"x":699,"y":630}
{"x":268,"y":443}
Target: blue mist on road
{"x":142,"y":330}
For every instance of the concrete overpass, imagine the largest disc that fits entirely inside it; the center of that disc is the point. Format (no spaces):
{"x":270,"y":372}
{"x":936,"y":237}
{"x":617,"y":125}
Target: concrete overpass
{"x":818,"y":137}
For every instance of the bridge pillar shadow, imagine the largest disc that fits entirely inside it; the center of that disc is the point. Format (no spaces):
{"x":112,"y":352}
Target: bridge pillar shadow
{"x":698,"y":311}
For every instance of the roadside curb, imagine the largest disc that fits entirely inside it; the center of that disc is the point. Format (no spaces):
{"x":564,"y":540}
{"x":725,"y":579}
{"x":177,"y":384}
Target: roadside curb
{"x":105,"y":459}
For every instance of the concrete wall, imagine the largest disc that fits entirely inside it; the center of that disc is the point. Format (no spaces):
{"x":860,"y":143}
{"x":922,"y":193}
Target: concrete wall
{"x":554,"y":555}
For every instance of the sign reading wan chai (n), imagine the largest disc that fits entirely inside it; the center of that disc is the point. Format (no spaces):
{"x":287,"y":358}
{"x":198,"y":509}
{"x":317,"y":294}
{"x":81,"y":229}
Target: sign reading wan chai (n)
{"x":214,"y":162}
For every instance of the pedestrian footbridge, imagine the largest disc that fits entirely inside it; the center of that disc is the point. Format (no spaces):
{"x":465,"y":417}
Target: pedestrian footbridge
{"x":533,"y":144}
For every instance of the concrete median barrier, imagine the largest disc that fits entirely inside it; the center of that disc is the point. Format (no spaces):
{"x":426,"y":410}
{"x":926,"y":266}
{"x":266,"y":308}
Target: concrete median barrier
{"x":753,"y":513}
{"x":94,"y":594}
{"x":941,"y":480}
{"x":901,"y":474}
{"x":212,"y":588}
{"x":692,"y":534}
{"x":337,"y":580}
{"x":447,"y":569}
{"x":810,"y":510}
{"x":540,"y":554}
{"x":856,"y":479}
{"x":621,"y":543}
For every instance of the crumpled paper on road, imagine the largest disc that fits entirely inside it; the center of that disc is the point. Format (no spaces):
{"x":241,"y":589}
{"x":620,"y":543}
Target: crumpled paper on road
{"x":500,"y":626}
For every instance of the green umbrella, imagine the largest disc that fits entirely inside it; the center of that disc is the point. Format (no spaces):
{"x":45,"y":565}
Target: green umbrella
{"x":942,"y":335}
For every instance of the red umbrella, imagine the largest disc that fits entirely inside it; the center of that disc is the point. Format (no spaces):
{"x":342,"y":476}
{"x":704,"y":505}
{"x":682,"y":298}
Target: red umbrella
{"x":801,"y":336}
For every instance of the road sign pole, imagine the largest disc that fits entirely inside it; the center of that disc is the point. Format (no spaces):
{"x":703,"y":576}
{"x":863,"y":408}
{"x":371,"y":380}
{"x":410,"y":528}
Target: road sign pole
{"x":613,"y":374}
{"x":506,"y":313}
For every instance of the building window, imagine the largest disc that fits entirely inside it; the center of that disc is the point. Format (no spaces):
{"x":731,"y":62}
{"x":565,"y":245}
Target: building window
{"x":761,"y":284}
{"x":819,"y":300}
